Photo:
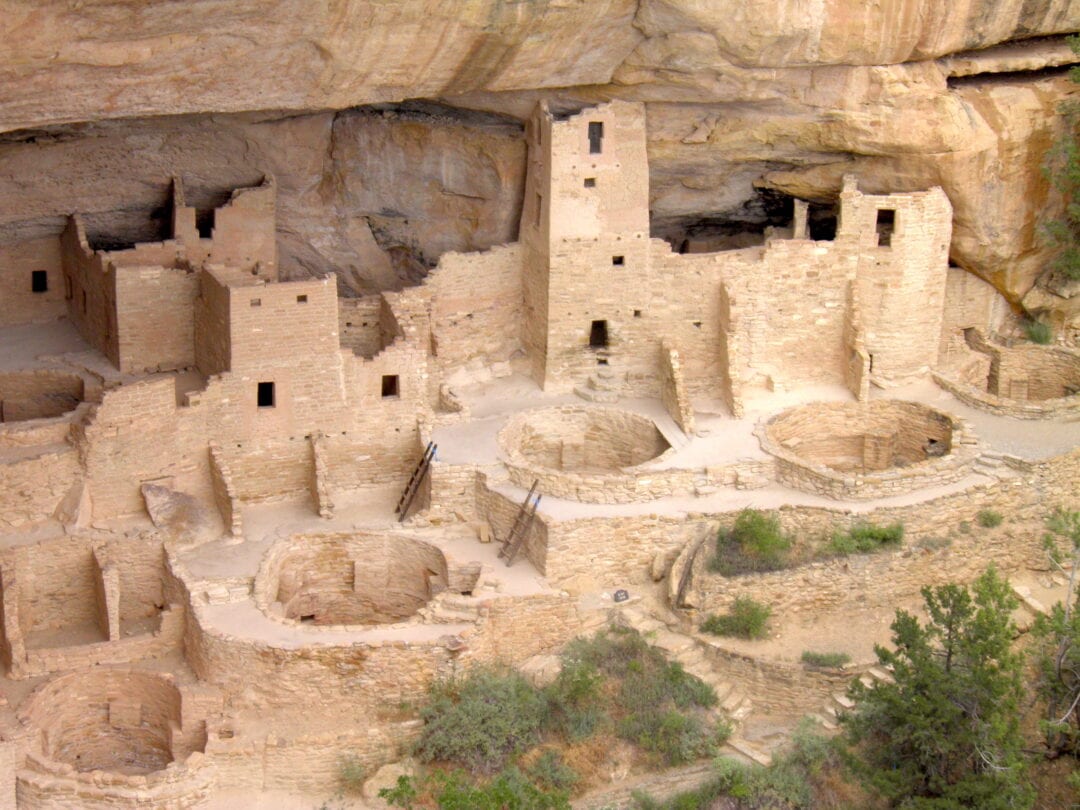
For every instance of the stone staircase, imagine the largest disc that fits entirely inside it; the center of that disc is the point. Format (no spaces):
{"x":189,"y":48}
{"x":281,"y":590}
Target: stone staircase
{"x":602,"y":384}
{"x":828,"y":717}
{"x":733,"y":702}
{"x":451,"y":608}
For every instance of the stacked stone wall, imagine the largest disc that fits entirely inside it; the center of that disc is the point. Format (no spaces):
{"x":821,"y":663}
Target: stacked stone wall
{"x":155,"y":318}
{"x":18,"y":302}
{"x":476,"y":306}
{"x":34,"y":483}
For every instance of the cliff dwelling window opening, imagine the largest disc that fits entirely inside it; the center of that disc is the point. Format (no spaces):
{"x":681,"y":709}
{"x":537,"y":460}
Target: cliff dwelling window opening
{"x":886,"y":223}
{"x":637,"y":313}
{"x":618,"y":261}
{"x":204,"y":222}
{"x":596,"y":137}
{"x":39,"y":281}
{"x":590,"y":182}
{"x":266,"y":395}
{"x":390,"y":386}
{"x":301,"y":299}
{"x":256,"y":302}
{"x":598,"y":336}
{"x":821,"y":221}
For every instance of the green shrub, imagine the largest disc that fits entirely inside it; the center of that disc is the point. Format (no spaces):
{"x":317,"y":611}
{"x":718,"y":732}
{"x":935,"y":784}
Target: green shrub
{"x":352,"y":773}
{"x":675,"y":736}
{"x":988,"y":518}
{"x":551,"y":773}
{"x":829,"y":660}
{"x":655,"y":700}
{"x":509,"y":790}
{"x":573,"y":707}
{"x":754,"y":543}
{"x":481,"y":721}
{"x":1038,"y":332}
{"x":746,"y":619}
{"x":863,"y":538}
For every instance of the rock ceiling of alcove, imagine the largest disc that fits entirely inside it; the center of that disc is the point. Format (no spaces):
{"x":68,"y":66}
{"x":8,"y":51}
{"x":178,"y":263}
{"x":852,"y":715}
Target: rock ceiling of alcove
{"x":769,"y":92}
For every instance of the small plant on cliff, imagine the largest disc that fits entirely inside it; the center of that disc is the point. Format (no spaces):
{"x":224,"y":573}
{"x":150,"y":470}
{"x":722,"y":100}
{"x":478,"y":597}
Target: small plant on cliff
{"x":1038,"y":332}
{"x":746,"y":619}
{"x":866,"y":537}
{"x":825,"y":660}
{"x":988,"y":518}
{"x":754,"y":543}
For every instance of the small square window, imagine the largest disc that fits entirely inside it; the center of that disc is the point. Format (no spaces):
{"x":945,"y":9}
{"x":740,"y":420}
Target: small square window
{"x":256,"y":302}
{"x":39,"y":281}
{"x":301,"y":299}
{"x":590,"y":182}
{"x":389,"y":386}
{"x":618,"y":261}
{"x":266,"y":395}
{"x":637,"y":313}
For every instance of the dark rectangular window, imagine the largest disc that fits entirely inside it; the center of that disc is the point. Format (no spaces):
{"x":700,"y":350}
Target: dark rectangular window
{"x":598,"y":335}
{"x":389,"y":386}
{"x":39,"y":281}
{"x":204,"y":223}
{"x":618,"y":261}
{"x":596,"y":137}
{"x":256,"y":302}
{"x":266,"y":395}
{"x":590,"y":182}
{"x":301,"y":299}
{"x":886,"y":223}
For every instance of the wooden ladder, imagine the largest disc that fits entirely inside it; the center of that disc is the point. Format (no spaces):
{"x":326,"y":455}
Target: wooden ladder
{"x":417,"y":477}
{"x":526,"y":513}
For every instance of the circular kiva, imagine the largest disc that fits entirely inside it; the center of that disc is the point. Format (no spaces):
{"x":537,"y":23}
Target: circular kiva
{"x":1024,"y":381}
{"x":115,"y":720}
{"x":349,"y":579}
{"x":590,"y":454}
{"x":38,"y":394}
{"x":867,"y":449}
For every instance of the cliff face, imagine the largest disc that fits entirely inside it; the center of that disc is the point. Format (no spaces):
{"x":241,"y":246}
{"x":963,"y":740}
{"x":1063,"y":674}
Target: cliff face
{"x":784,"y":95}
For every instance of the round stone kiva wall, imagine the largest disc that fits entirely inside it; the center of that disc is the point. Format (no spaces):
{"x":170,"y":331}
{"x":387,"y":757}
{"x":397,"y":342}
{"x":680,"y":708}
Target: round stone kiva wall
{"x":39,"y":394}
{"x":113,"y":720}
{"x":575,"y":439}
{"x":350,"y":579}
{"x":590,"y":454}
{"x":867,"y":449}
{"x":1024,"y":381}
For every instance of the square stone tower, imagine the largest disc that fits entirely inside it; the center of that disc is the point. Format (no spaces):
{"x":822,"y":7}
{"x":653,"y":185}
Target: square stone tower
{"x":585,"y":230}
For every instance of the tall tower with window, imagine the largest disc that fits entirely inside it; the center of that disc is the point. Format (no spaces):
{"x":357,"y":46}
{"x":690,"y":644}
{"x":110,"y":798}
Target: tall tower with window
{"x":585,"y":230}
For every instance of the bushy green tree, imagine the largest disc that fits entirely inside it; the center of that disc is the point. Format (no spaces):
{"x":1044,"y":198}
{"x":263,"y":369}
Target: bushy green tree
{"x":945,"y":733}
{"x":1063,"y":170}
{"x":1058,"y":635}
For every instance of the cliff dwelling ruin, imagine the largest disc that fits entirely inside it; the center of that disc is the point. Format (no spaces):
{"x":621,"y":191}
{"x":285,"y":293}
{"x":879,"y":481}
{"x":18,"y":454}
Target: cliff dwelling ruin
{"x":205,"y":586}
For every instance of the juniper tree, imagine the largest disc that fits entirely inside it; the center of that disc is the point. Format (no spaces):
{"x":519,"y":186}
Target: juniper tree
{"x":945,"y":732}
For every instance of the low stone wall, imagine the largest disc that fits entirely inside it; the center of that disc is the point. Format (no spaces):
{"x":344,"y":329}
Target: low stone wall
{"x":33,"y":485}
{"x":867,"y":450}
{"x":1058,"y":408}
{"x":935,"y":551}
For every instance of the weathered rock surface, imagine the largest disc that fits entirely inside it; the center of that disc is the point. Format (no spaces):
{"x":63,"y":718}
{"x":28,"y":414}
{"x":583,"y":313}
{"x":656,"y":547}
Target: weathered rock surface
{"x":785,"y":95}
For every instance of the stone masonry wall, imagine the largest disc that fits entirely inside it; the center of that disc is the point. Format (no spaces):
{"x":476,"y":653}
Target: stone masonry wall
{"x":18,"y":303}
